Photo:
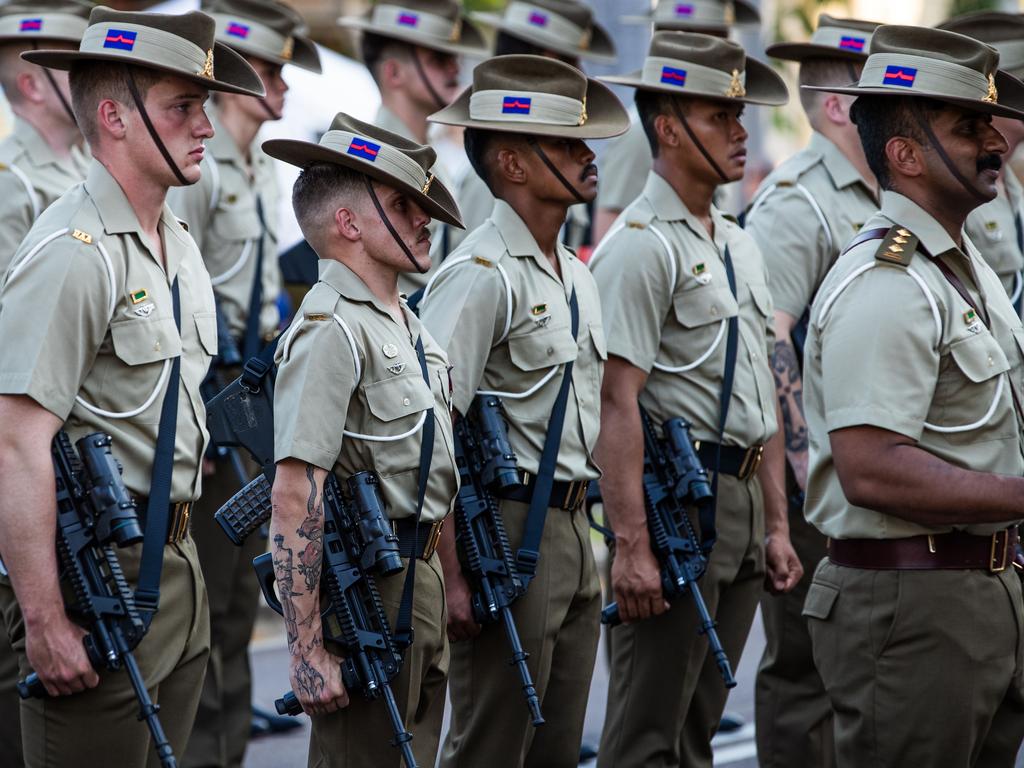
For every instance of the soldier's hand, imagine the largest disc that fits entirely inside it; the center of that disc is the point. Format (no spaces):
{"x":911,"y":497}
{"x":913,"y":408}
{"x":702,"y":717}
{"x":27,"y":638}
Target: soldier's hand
{"x":784,"y":570}
{"x":316,"y":681}
{"x":636,"y":582}
{"x":461,"y":624}
{"x":56,"y":654}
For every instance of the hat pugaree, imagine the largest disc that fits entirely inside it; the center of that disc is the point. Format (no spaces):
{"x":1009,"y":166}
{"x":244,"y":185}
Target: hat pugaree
{"x":434,"y":24}
{"x":179,"y":44}
{"x":936,"y":64}
{"x":1003,"y":31}
{"x":697,"y":15}
{"x":537,"y":96}
{"x":847,"y":39}
{"x":63,"y":20}
{"x":379,"y":154}
{"x":694,"y":64}
{"x":266,"y":29}
{"x":564,"y":26}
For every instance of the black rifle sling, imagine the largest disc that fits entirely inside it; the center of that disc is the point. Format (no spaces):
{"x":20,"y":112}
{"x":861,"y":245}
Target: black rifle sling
{"x":529,"y":549}
{"x":147,"y":592}
{"x":251,"y":342}
{"x":403,"y":627}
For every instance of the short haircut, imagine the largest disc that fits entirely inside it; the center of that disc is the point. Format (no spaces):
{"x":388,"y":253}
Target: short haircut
{"x":320,"y":190}
{"x":93,"y":81}
{"x":881,"y":118}
{"x":376,"y":49}
{"x":823,"y":71}
{"x":651,"y":104}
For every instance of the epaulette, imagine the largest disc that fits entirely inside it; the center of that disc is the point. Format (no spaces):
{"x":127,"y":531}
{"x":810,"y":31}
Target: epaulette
{"x":481,"y":261}
{"x":320,"y":302}
{"x":897,"y":247}
{"x":85,"y":237}
{"x":635,"y":225}
{"x":787,"y":174}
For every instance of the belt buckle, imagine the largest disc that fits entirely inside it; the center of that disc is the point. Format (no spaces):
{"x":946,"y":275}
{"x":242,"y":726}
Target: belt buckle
{"x":1003,"y":555}
{"x":577,"y":495}
{"x":751,"y":461}
{"x":180,"y":513}
{"x":433,"y":538}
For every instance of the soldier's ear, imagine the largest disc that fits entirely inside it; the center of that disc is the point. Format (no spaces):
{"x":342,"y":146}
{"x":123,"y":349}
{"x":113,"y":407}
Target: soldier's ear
{"x":667,"y":129}
{"x":30,"y":85}
{"x":508,"y":166}
{"x":905,"y":157}
{"x":346,"y":225}
{"x":110,"y":118}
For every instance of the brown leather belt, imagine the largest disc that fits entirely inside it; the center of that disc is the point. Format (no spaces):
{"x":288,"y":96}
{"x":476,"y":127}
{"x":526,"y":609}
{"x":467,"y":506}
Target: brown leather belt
{"x":942,"y":551}
{"x":178,"y":519}
{"x":739,"y":462}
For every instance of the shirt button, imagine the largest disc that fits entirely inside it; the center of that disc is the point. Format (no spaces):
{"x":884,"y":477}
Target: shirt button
{"x":406,"y":401}
{"x":714,"y":311}
{"x":990,"y":362}
{"x":551,"y":350}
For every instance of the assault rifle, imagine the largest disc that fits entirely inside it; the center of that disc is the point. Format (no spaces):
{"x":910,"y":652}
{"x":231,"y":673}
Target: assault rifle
{"x":95,"y":512}
{"x":228,"y":357}
{"x":487,"y":463}
{"x":674,"y":480}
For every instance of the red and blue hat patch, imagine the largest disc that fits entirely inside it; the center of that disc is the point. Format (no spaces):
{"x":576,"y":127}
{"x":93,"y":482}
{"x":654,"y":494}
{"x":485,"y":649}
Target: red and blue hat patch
{"x":120,"y":39}
{"x":899,"y":75}
{"x":538,"y":19}
{"x":235,"y":29}
{"x":30,"y":25}
{"x":849,"y":43}
{"x":364,"y":149}
{"x":516,"y":105}
{"x":408,"y":19}
{"x":684,"y":9}
{"x":673,"y":76}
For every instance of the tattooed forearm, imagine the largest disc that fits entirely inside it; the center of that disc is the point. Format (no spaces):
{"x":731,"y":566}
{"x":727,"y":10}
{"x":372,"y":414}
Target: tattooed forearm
{"x":312,"y":529}
{"x":791,"y":396}
{"x":308,"y":679}
{"x":283,"y":573}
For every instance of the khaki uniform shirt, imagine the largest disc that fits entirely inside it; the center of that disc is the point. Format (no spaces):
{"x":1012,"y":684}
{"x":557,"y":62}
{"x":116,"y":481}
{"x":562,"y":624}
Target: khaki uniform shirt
{"x":31,"y":177}
{"x":323,"y":393}
{"x":624,"y":167}
{"x":71,"y":351}
{"x":802,"y":217}
{"x":668,"y":308}
{"x":993,"y":229}
{"x":880,"y":353}
{"x":468,"y":311}
{"x":221,"y":213}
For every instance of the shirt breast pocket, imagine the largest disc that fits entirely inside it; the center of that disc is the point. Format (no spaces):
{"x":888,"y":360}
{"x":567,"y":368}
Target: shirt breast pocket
{"x":702,"y":313}
{"x":971,"y":386}
{"x":147,"y":347}
{"x":394,"y":433}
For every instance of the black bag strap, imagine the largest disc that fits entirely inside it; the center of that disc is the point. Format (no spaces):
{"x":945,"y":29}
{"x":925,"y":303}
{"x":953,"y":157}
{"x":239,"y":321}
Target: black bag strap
{"x":529,"y":549}
{"x":251,"y":342}
{"x":403,"y":628}
{"x":147,"y":592}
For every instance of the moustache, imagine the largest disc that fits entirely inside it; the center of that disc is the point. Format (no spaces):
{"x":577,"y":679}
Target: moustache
{"x":592,"y":168}
{"x":424,"y":235}
{"x":990,"y":162}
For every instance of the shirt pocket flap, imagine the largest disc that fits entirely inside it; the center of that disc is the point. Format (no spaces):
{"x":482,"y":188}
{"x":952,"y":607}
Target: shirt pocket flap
{"x":236,"y":224}
{"x":542,"y":348}
{"x":397,"y":397}
{"x":762,"y":299}
{"x":979,"y":357}
{"x":141,"y":341}
{"x":820,"y":599}
{"x":206,"y":327}
{"x":705,"y":305}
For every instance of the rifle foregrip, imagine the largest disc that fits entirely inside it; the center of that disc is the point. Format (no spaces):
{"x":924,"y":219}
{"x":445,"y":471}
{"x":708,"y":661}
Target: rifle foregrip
{"x":32,"y":688}
{"x":246,"y":511}
{"x":288,"y":705}
{"x":610,"y":615}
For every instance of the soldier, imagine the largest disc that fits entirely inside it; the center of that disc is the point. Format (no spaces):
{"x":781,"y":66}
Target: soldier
{"x":913,"y":373}
{"x":520,"y":318}
{"x":995,"y":227}
{"x":801,"y":218}
{"x":362,"y":385}
{"x":629,"y":159}
{"x":108,"y":326}
{"x":232,"y":215}
{"x":44,"y":156}
{"x":559,"y":29}
{"x":414,"y":52}
{"x":685,"y":291}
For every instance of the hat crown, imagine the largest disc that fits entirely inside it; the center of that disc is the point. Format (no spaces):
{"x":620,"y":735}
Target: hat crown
{"x":532,"y":74}
{"x":695,"y":48}
{"x":576,"y":12}
{"x":422,"y":155}
{"x":68,"y":7}
{"x":936,"y":44}
{"x":987,"y":26}
{"x":826,"y":21}
{"x":274,"y":15}
{"x":194,"y":26}
{"x":447,"y":9}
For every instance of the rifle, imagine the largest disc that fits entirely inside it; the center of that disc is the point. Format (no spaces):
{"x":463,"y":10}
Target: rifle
{"x":94,"y":513}
{"x":486,"y":462}
{"x":227,"y":357}
{"x":674,"y":480}
{"x":358,"y":543}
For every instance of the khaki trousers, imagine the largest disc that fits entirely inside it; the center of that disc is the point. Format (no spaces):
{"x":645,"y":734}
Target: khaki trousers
{"x":10,"y":703}
{"x":100,"y":727}
{"x":792,"y":711}
{"x":221,"y":731}
{"x":359,"y":736}
{"x":923,"y":668}
{"x":666,"y":695}
{"x":558,"y":621}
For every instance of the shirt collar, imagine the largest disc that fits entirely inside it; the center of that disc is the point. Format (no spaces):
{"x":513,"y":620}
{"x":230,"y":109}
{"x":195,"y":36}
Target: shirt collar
{"x":668,"y":206}
{"x":222,"y":144}
{"x":347,"y":283}
{"x":38,"y":151}
{"x":519,"y":241}
{"x":836,"y":163}
{"x":906,"y":213}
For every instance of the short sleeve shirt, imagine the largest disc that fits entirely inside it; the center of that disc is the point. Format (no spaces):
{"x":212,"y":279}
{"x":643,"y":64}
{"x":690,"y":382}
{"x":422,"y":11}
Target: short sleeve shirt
{"x":667,"y":304}
{"x":624,"y":167}
{"x":89,"y":333}
{"x":995,"y":228}
{"x":350,"y":394}
{"x":503,"y":314}
{"x":232,"y":213}
{"x":803,"y":215}
{"x":896,"y":347}
{"x":31,"y":178}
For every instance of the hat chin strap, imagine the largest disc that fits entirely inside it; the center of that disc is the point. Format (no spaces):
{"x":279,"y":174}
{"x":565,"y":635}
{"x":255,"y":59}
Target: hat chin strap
{"x":441,"y":103}
{"x":696,"y":141}
{"x":53,"y":83}
{"x":539,"y":151}
{"x":922,"y":122}
{"x":391,"y":228}
{"x":266,"y":108}
{"x":134,"y":91}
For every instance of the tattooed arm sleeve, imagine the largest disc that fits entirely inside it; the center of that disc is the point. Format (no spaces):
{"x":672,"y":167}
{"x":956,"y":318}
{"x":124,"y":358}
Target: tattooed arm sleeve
{"x":790,"y":387}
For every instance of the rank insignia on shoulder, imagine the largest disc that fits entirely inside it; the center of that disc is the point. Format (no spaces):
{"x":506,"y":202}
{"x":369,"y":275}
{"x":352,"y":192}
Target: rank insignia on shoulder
{"x":538,"y":309}
{"x":85,"y":237}
{"x":316,"y":316}
{"x":482,"y":261}
{"x":701,"y":273}
{"x":635,"y":225}
{"x":139,"y":296}
{"x":991,"y":226}
{"x":898,"y":247}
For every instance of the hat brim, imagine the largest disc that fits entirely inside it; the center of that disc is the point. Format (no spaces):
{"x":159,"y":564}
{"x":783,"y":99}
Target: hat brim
{"x":233,"y":73}
{"x":763,"y":86}
{"x":471,"y":40}
{"x":437,"y":202}
{"x":746,"y":13}
{"x":601,"y":48}
{"x":1011,"y":90}
{"x":803,"y":51}
{"x":606,"y":117}
{"x":304,"y":54}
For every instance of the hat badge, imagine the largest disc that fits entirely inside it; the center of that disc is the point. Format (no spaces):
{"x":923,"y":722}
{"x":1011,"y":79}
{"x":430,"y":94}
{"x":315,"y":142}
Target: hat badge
{"x":207,"y":70}
{"x":426,"y":187}
{"x":583,"y":112}
{"x":993,"y":95}
{"x":288,"y":48}
{"x":736,"y":89}
{"x":585,"y":38}
{"x":456,"y":31}
{"x":729,"y":14}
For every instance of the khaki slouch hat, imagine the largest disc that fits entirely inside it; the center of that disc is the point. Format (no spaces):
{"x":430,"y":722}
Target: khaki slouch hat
{"x":266,"y":29}
{"x":435,"y":24}
{"x":834,"y":38}
{"x":567,"y":27}
{"x":62,"y":20}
